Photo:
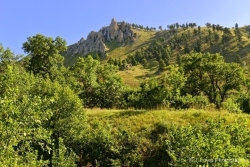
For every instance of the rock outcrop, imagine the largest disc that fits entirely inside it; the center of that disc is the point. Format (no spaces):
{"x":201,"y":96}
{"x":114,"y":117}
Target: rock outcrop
{"x":95,"y":42}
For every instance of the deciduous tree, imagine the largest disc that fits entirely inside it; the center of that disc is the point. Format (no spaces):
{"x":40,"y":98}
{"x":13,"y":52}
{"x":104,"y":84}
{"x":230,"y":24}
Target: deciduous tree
{"x":44,"y":53}
{"x":208,"y":73}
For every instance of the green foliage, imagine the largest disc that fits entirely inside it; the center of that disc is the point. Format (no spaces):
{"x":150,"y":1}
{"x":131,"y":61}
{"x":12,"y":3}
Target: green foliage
{"x":174,"y":82}
{"x":44,"y":54}
{"x":226,"y":38}
{"x":42,"y":121}
{"x":231,"y":106}
{"x":243,"y":99}
{"x":6,"y":56}
{"x":198,"y":46}
{"x":156,"y":50}
{"x":99,"y":86}
{"x":199,"y":30}
{"x":62,"y":102}
{"x":216,"y":37}
{"x":150,"y":95}
{"x":208,"y":143}
{"x":111,"y":88}
{"x":187,"y":49}
{"x":35,"y":115}
{"x":21,"y":117}
{"x":162,"y":65}
{"x":209,"y":74}
{"x":108,"y":141}
{"x":100,"y":147}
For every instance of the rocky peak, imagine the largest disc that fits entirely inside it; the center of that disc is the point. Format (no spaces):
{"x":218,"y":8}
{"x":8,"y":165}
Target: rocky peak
{"x":95,"y":42}
{"x":113,"y":25}
{"x":81,"y":40}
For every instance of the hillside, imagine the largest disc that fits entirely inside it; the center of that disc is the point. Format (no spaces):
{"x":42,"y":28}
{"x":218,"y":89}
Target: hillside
{"x":232,"y":43}
{"x":228,"y":50}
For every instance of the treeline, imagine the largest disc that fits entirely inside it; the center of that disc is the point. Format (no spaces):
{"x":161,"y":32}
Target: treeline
{"x":41,"y":101}
{"x":98,"y":85}
{"x":170,"y":27}
{"x":157,"y":50}
{"x":165,"y":49}
{"x":135,"y":26}
{"x":216,"y":80}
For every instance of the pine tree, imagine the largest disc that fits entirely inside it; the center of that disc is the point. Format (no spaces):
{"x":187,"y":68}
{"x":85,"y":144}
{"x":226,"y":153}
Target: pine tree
{"x":134,"y":62}
{"x":162,"y":65}
{"x":238,"y":59}
{"x":110,"y":61}
{"x":195,"y":32}
{"x":198,"y":46}
{"x":116,"y":62}
{"x":166,"y":61}
{"x":144,"y":62}
{"x":208,"y":25}
{"x":214,"y":27}
{"x":177,"y":25}
{"x":124,"y":64}
{"x":187,"y":48}
{"x":236,"y":26}
{"x":199,"y":30}
{"x":178,"y":59}
{"x":216,"y":37}
{"x":120,"y":62}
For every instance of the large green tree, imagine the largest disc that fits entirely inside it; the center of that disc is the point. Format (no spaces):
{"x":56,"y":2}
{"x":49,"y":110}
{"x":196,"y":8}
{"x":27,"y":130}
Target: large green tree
{"x":174,"y":81}
{"x":111,"y":88}
{"x":99,"y":85}
{"x":44,"y":53}
{"x":210,"y":75}
{"x":150,"y":95}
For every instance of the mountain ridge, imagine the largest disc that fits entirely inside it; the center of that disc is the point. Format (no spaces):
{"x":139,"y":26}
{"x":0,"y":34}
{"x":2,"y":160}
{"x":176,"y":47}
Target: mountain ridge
{"x":95,"y":42}
{"x":232,"y":43}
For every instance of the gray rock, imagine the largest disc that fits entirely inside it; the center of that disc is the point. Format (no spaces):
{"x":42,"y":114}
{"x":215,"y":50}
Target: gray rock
{"x":95,"y":42}
{"x":120,"y":36}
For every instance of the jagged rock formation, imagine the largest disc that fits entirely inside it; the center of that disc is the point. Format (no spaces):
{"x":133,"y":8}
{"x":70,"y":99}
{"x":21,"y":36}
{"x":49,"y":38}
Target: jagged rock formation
{"x":95,"y":42}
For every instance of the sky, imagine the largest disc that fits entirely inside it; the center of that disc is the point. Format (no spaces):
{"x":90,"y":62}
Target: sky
{"x":74,"y":19}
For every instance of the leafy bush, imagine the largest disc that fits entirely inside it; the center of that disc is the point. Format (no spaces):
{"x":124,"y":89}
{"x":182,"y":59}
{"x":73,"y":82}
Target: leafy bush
{"x":244,"y":103}
{"x":98,"y":146}
{"x":34,"y":116}
{"x":212,"y":144}
{"x":231,"y":106}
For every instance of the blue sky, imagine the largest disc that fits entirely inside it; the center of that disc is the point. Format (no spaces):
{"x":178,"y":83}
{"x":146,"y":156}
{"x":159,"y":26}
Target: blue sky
{"x":73,"y":19}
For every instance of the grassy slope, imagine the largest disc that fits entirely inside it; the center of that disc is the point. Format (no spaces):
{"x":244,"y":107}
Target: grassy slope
{"x":229,"y":51}
{"x":136,"y":121}
{"x":133,"y":76}
{"x":122,"y":50}
{"x":70,"y":60}
{"x":136,"y":74}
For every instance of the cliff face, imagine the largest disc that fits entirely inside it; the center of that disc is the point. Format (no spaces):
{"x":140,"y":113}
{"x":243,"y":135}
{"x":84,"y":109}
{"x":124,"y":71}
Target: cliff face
{"x":95,"y":42}
{"x":118,"y":31}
